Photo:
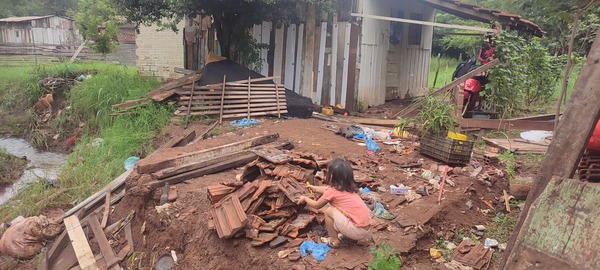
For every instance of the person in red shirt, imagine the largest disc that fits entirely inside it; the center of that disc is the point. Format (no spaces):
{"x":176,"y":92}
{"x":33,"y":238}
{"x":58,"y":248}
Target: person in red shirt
{"x":594,"y":143}
{"x":347,"y":213}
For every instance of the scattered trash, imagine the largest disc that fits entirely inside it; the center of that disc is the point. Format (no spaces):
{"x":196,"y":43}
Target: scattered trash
{"x":399,"y":190}
{"x":364,"y":190}
{"x":427,"y":174}
{"x":164,"y":262}
{"x":381,"y":212}
{"x":469,"y":204}
{"x":130,"y":162}
{"x":502,"y":246}
{"x":244,"y":122}
{"x":392,"y":143}
{"x":174,"y":256}
{"x":412,"y":195}
{"x":351,"y":131}
{"x":450,"y":245}
{"x":25,"y":238}
{"x":318,"y":251}
{"x":479,"y":227}
{"x":454,"y":265}
{"x":284,"y":253}
{"x":489,"y":242}
{"x":435,"y":253}
{"x":536,"y":135}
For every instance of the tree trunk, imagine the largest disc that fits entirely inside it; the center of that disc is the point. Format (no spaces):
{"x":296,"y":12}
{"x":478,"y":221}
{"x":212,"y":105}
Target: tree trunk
{"x":568,"y":67}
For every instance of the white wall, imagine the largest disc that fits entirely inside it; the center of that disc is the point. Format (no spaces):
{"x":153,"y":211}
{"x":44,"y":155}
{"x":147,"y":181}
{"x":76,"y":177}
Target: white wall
{"x":158,"y":52}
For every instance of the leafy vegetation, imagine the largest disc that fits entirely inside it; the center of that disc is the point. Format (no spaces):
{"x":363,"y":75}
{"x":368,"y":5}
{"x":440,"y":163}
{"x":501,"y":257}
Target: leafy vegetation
{"x":508,"y":160}
{"x":99,"y":21}
{"x":385,"y":257}
{"x":104,"y":141}
{"x":502,"y":228}
{"x":436,"y":116}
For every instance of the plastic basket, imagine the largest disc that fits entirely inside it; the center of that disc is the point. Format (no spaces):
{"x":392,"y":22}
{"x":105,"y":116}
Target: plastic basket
{"x":446,"y":149}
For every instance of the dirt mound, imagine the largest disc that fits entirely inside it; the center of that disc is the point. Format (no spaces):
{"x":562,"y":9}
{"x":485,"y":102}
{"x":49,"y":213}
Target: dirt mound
{"x":11,"y":168}
{"x":183,"y":225}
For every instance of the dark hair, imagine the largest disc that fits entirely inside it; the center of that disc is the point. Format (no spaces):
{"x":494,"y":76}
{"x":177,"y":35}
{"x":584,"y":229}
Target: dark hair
{"x":341,"y":176}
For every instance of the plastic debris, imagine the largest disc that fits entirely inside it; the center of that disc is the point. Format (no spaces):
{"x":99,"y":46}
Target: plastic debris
{"x":364,"y":190}
{"x":130,"y":162}
{"x":427,"y":174}
{"x":489,"y":242}
{"x":318,"y":251}
{"x":536,"y":135}
{"x":244,"y":122}
{"x":380,"y":212}
{"x":435,"y":253}
{"x":399,"y":190}
{"x":469,"y":204}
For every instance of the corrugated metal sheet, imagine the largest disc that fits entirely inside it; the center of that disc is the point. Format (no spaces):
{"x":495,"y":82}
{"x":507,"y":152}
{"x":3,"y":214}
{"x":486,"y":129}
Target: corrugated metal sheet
{"x":43,"y":30}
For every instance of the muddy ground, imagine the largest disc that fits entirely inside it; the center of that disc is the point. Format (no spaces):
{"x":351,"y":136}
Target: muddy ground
{"x":11,"y":169}
{"x":185,"y":229}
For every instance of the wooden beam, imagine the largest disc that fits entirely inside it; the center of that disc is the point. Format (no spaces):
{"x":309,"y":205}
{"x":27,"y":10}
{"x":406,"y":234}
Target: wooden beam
{"x":106,"y":209}
{"x":84,"y":254}
{"x":105,"y":248}
{"x":153,"y":165}
{"x":452,"y":26}
{"x":505,"y":124}
{"x":467,"y":13}
{"x":567,"y":145}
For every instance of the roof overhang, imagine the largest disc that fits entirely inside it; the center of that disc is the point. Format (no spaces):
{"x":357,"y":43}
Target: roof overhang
{"x":478,"y":13}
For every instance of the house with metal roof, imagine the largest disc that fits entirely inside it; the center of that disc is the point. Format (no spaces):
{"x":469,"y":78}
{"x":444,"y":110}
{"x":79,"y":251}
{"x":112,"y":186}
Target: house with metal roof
{"x":38,"y":30}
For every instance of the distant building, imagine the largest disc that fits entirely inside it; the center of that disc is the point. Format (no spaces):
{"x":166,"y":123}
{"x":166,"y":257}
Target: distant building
{"x":38,"y":30}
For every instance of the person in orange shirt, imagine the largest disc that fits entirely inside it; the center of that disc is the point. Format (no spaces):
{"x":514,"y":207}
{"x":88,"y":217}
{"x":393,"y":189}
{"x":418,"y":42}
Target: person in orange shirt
{"x":347,"y":213}
{"x":594,"y":143}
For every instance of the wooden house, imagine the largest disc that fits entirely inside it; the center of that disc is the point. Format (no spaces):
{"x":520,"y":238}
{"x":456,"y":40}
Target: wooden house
{"x":368,"y":52}
{"x":38,"y":30}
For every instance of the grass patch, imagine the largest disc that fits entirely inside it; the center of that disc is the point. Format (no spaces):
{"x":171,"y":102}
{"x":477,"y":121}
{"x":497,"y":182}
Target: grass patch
{"x":443,"y":75}
{"x":503,"y":227}
{"x":95,"y":162}
{"x":385,"y":257}
{"x":11,"y":168}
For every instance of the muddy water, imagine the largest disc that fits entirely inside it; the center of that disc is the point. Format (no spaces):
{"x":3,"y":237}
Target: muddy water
{"x":42,"y":165}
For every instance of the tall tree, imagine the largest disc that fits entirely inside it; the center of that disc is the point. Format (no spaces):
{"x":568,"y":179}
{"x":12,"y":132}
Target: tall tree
{"x":99,"y":21}
{"x":232,"y":18}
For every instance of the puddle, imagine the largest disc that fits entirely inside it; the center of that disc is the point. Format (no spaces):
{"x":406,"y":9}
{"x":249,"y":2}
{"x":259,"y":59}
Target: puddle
{"x":41,"y":165}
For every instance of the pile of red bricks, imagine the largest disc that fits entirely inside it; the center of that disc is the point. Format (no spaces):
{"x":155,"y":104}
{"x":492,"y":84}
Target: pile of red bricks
{"x":262,"y":204}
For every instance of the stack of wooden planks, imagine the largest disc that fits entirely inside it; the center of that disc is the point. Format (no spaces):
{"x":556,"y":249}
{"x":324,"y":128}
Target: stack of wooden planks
{"x":245,"y":98}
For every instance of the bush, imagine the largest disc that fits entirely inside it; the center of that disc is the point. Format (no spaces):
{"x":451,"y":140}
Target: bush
{"x":385,"y":258}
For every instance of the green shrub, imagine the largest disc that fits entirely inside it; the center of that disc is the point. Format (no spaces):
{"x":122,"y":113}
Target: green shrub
{"x":385,"y":258}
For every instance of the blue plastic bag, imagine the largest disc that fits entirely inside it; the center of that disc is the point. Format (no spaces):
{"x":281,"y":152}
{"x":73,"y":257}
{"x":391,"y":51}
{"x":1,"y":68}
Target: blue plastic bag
{"x":372,"y":145}
{"x":318,"y":251}
{"x":381,"y":212}
{"x":130,"y":162}
{"x":244,"y":122}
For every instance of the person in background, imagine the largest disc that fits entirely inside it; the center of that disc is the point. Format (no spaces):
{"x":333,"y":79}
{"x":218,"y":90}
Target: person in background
{"x":594,"y":143}
{"x":345,"y":212}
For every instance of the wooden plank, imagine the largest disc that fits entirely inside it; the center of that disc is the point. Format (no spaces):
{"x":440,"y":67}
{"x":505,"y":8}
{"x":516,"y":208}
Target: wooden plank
{"x":290,"y":57}
{"x":255,"y":87}
{"x":84,"y":254}
{"x":274,"y":112}
{"x":505,"y":124}
{"x":266,"y":80}
{"x":278,"y":54}
{"x":517,"y":147}
{"x":78,"y":51}
{"x":166,"y":90}
{"x":203,"y":135}
{"x":222,"y":99}
{"x":53,"y":253}
{"x":309,"y":52}
{"x":351,"y":102}
{"x":452,"y":26}
{"x":232,"y":106}
{"x":565,"y":221}
{"x":334,"y":56}
{"x":236,"y":101}
{"x":183,"y":71}
{"x":567,"y":146}
{"x":178,"y":141}
{"x":345,"y":58}
{"x":298,"y":64}
{"x":149,"y":166}
{"x":321,"y":69}
{"x":97,"y":197}
{"x":190,"y":103}
{"x":66,"y":258}
{"x":105,"y":248}
{"x":106,"y":209}
{"x":466,"y":11}
{"x":240,"y":112}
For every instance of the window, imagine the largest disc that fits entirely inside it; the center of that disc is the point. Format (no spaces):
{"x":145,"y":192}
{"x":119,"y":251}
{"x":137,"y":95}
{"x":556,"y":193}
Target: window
{"x":414,"y":30}
{"x":17,"y":33}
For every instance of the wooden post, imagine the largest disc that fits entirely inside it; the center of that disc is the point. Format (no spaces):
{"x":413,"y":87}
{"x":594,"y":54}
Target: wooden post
{"x":249,"y":98}
{"x":437,"y":70}
{"x":566,"y":148}
{"x":458,"y":110}
{"x":189,"y":110}
{"x":278,"y":104}
{"x":309,"y":51}
{"x":222,"y":99}
{"x":446,"y":73}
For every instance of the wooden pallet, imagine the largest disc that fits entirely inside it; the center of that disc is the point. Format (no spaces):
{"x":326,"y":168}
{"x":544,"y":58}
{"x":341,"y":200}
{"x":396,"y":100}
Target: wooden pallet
{"x":246,"y":98}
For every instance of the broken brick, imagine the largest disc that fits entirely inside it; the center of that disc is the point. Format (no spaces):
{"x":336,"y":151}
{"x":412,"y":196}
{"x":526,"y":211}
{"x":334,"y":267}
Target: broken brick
{"x":229,"y":217}
{"x":217,"y":192}
{"x":292,"y":188}
{"x":294,"y":256}
{"x":284,"y":212}
{"x":302,"y":221}
{"x":294,"y":243}
{"x":254,"y":206}
{"x":472,"y":254}
{"x":298,"y":266}
{"x":261,"y":188}
{"x":256,"y":221}
{"x":263,"y":238}
{"x":246,"y":190}
{"x":272,"y":225}
{"x":278,"y":241}
{"x":251,"y":233}
{"x":273,"y":155}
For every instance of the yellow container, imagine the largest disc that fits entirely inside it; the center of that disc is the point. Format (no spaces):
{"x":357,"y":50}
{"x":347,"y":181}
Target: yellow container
{"x":327,"y":110}
{"x":457,"y":136}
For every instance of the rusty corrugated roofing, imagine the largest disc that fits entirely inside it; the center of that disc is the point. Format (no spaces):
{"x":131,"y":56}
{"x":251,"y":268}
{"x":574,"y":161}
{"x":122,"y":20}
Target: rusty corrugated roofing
{"x":24,"y":19}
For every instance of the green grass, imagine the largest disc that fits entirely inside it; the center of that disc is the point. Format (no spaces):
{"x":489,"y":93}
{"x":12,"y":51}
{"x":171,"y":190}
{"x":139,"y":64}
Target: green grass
{"x":91,"y":165}
{"x":385,"y":257}
{"x":11,"y":167}
{"x":451,"y":62}
{"x":502,"y":228}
